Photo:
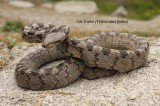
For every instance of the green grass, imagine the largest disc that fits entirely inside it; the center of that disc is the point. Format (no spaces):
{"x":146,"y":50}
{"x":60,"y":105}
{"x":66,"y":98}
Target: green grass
{"x":106,"y":6}
{"x":11,"y":41}
{"x":142,"y":9}
{"x":137,"y":9}
{"x":13,"y":26}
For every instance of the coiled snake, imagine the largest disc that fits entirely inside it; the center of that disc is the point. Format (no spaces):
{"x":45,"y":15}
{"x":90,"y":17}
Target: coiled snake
{"x":97,"y":56}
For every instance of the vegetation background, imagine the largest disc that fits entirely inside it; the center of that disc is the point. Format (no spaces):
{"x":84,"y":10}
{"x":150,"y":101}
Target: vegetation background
{"x":137,"y":9}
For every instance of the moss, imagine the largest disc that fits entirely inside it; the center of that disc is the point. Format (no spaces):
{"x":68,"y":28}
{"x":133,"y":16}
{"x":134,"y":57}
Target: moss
{"x":140,"y":9}
{"x":137,"y":9}
{"x":11,"y":41}
{"x":13,"y":26}
{"x":106,"y":6}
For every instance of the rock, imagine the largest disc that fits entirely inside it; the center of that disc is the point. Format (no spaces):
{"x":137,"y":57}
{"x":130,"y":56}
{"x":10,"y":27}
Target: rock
{"x":4,"y":60}
{"x":76,"y":6}
{"x":120,"y":12}
{"x":4,"y":55}
{"x":47,"y":5}
{"x":22,"y":49}
{"x":140,"y":87}
{"x":2,"y":44}
{"x":21,"y":4}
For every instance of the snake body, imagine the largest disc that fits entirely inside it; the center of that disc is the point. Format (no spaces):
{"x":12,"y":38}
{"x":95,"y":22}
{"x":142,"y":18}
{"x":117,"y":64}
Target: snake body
{"x":97,"y":56}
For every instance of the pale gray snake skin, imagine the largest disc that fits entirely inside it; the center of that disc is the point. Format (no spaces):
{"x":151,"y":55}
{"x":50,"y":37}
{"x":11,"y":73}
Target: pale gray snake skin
{"x":63,"y":60}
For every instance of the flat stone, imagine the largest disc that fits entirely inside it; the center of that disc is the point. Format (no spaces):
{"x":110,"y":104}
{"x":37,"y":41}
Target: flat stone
{"x":76,"y":6}
{"x":140,"y":87}
{"x":21,"y":4}
{"x":120,"y":12}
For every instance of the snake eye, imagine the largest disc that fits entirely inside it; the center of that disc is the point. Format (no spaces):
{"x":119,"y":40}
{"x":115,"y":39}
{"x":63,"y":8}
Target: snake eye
{"x":31,"y":33}
{"x":39,"y":36}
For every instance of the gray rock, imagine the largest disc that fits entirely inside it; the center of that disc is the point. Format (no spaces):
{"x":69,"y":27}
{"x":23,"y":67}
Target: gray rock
{"x":120,"y":12}
{"x":140,"y":87}
{"x":4,"y":55}
{"x":21,"y":4}
{"x":4,"y":60}
{"x":76,"y":6}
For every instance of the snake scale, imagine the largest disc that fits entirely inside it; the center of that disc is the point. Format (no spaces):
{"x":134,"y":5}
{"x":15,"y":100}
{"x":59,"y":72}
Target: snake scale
{"x":62,"y":60}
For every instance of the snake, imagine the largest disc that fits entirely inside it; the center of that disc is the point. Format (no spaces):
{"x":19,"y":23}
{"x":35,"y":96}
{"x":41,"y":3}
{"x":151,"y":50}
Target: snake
{"x":63,"y":59}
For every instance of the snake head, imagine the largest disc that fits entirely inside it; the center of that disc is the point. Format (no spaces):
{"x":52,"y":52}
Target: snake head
{"x":35,"y":33}
{"x":47,"y":34}
{"x":55,"y":38}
